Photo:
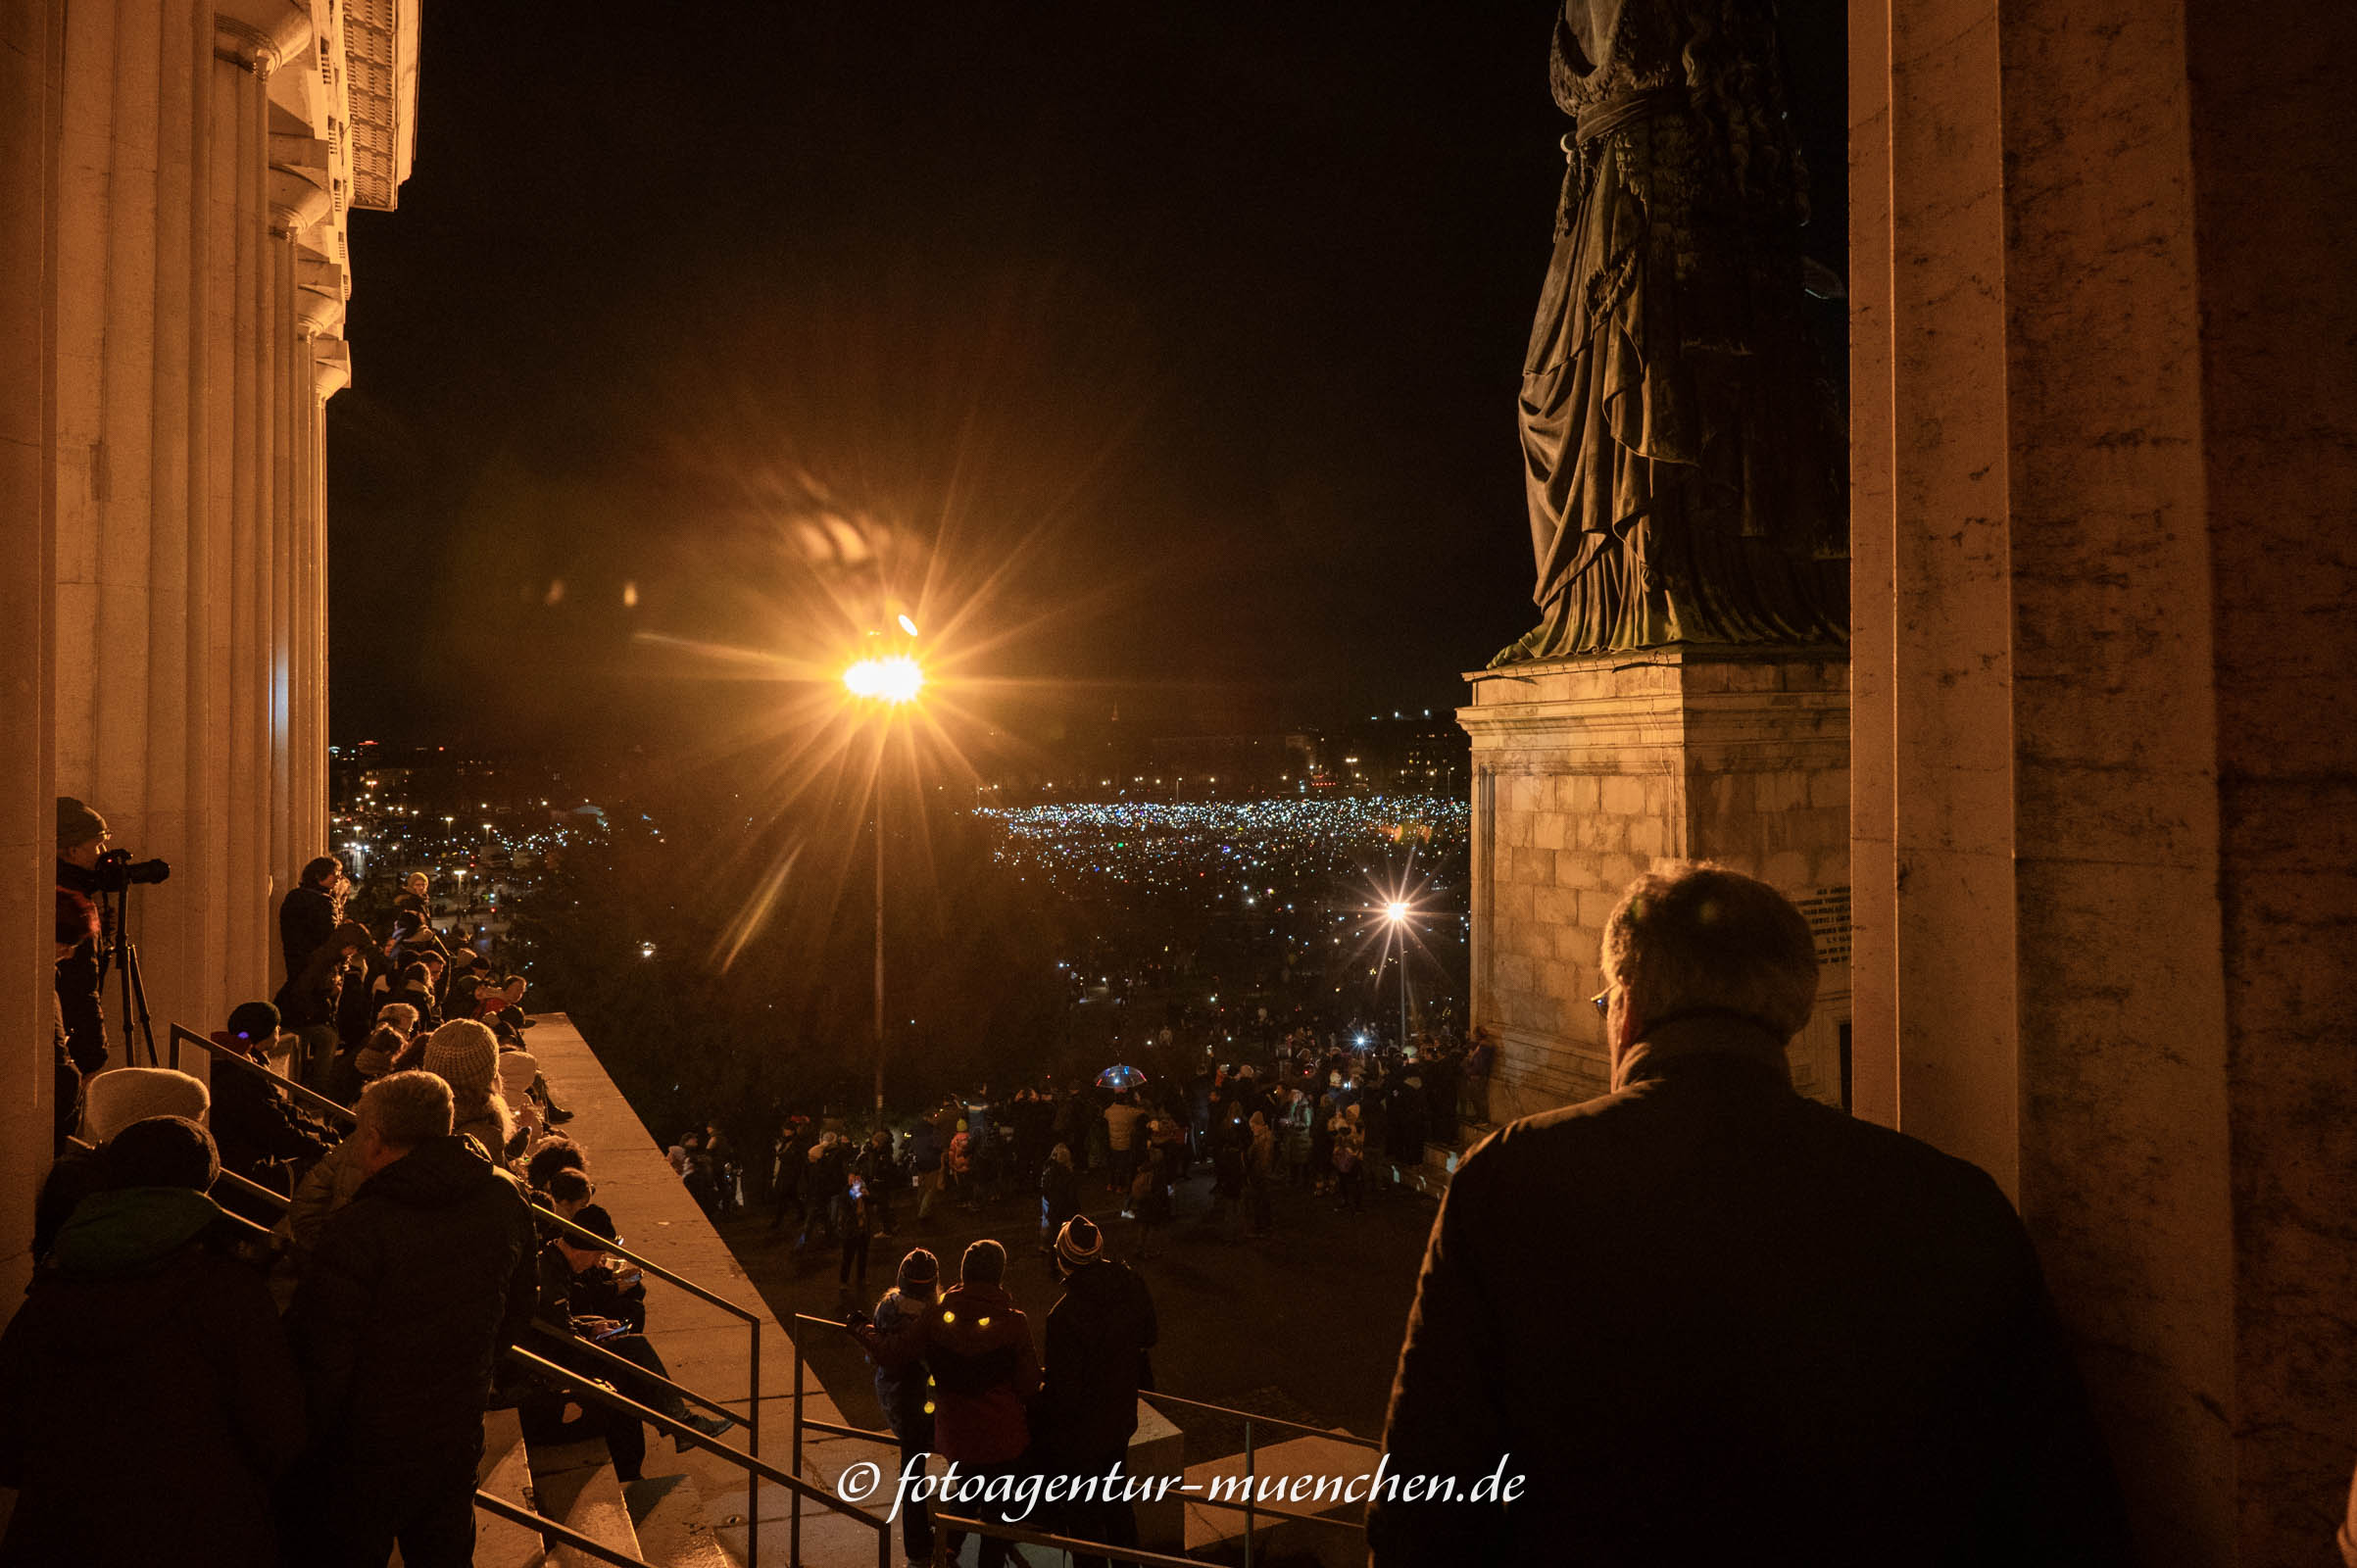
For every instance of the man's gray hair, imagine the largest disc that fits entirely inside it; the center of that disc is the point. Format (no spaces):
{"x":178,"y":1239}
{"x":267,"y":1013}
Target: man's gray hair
{"x":1699,"y":935}
{"x":406,"y":1109}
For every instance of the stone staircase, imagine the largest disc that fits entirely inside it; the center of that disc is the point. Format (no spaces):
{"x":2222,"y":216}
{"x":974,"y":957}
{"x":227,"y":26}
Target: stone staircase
{"x":660,"y":1520}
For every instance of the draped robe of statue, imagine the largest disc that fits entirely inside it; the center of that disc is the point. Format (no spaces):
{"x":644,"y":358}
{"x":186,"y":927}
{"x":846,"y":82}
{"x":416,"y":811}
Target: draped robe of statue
{"x":1683,"y":454}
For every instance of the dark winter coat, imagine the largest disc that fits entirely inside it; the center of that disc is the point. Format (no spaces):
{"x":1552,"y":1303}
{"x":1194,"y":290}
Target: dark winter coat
{"x":253,"y":1120}
{"x":978,"y":1350}
{"x":306,"y":920}
{"x":414,"y":1287}
{"x":1793,"y":1337}
{"x":147,"y":1395}
{"x":1099,"y":1335}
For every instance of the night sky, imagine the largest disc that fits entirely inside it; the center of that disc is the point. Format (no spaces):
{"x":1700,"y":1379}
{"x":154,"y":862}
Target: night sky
{"x":1164,"y":357}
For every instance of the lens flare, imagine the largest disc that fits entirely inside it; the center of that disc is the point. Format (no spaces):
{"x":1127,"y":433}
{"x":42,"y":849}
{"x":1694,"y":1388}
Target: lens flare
{"x":895,"y":681}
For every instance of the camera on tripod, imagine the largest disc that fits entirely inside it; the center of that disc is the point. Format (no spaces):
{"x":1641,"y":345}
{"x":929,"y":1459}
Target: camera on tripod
{"x":116,"y":871}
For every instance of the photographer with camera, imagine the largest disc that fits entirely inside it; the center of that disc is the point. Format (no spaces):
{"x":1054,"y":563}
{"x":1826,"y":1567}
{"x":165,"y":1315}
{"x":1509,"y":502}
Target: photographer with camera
{"x":89,"y":867}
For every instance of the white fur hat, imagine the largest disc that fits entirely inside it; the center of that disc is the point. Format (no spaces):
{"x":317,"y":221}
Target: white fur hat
{"x":117,"y":1098}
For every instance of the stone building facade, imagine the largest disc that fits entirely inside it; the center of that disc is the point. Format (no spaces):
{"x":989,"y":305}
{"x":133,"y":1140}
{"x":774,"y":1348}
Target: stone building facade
{"x":175,"y":182}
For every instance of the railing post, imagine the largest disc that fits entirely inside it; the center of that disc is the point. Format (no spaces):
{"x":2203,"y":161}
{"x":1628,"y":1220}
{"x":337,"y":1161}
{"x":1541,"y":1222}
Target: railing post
{"x":753,"y":1437}
{"x":794,"y":1516}
{"x":1247,"y":1491}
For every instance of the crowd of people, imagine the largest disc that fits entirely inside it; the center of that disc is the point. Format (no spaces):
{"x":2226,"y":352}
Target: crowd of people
{"x":274,"y":1323}
{"x":1314,"y":1116}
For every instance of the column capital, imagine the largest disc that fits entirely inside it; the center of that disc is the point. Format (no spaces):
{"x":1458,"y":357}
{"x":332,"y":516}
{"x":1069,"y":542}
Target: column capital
{"x":260,"y":35}
{"x":330,"y":366}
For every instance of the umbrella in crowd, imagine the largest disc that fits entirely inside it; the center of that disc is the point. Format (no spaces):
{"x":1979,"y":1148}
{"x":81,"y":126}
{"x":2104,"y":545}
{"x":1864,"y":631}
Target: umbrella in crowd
{"x":1118,"y":1079}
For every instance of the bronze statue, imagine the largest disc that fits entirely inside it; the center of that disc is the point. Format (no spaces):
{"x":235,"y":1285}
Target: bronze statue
{"x":1682,"y":452}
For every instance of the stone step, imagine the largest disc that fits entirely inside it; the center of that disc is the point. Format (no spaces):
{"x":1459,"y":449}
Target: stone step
{"x":673,"y":1530}
{"x":577,"y":1488}
{"x":507,"y":1474}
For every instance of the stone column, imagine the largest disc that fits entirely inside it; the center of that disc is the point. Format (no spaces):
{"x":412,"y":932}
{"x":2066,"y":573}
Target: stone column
{"x":2099,"y":254}
{"x":132,"y":606}
{"x":31,"y":46}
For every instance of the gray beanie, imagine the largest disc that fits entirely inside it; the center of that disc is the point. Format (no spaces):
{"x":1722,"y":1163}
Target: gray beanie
{"x":463,"y":1055}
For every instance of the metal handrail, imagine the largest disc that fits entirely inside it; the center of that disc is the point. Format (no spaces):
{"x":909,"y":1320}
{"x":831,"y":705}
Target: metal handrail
{"x":1267,"y":1420}
{"x":253,"y":1188}
{"x":573,"y":1344}
{"x":310,"y":1098}
{"x":564,"y":1533}
{"x":756,"y":1469}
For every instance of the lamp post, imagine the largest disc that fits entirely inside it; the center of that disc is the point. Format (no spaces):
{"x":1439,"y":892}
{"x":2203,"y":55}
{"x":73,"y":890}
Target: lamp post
{"x":889,"y":684}
{"x":1395,"y":911}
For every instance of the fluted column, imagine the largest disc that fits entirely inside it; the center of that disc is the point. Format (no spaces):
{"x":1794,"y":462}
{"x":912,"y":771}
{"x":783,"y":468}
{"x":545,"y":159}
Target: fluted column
{"x":31,"y":46}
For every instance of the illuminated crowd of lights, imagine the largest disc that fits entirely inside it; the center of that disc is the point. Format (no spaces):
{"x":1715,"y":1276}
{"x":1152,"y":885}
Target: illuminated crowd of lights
{"x":1261,"y":849}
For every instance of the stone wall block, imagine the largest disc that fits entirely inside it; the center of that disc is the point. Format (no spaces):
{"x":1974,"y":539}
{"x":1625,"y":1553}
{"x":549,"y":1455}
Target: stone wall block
{"x":1623,"y":796}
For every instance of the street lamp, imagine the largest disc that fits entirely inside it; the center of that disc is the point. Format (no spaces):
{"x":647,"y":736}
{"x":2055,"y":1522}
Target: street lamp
{"x":1397,"y":912}
{"x":890,"y":683}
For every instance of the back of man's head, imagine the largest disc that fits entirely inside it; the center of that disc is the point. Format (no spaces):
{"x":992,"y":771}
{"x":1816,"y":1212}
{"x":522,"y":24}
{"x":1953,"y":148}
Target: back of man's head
{"x":1685,"y":938}
{"x":984,"y":1263}
{"x":318,"y":874}
{"x":406,"y":1108}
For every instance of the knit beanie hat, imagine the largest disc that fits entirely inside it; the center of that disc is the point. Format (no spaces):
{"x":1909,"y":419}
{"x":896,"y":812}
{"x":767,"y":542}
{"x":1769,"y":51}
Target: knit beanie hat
{"x":920,"y":1270}
{"x":463,"y":1055}
{"x":163,"y":1152}
{"x":76,"y":825}
{"x":1079,"y":1243}
{"x":516,"y":1070}
{"x":250,"y":1021}
{"x":984,"y":1263}
{"x":122,"y":1096}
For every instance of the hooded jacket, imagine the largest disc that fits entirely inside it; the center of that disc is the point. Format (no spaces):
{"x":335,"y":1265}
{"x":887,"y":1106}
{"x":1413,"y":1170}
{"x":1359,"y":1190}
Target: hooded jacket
{"x":144,"y":1352}
{"x":414,"y":1287}
{"x":978,"y":1350}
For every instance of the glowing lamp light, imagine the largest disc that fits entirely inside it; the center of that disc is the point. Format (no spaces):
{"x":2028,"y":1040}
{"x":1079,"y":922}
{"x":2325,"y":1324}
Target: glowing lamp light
{"x":908,"y":626}
{"x":1396,"y":912}
{"x":885,"y":680}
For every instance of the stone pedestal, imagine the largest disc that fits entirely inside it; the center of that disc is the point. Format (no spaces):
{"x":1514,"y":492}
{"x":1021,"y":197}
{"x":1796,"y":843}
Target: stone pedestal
{"x":1588,"y":770}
